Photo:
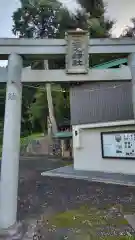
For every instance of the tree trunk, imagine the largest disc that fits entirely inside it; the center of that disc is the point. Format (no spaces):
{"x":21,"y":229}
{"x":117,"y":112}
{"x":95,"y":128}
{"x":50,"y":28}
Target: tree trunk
{"x":50,"y":103}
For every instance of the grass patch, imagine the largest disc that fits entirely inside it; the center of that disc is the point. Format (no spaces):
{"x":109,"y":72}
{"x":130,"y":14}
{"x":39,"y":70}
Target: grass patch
{"x":85,"y":215}
{"x":25,"y":140}
{"x":88,"y":220}
{"x":66,"y":162}
{"x":77,"y":217}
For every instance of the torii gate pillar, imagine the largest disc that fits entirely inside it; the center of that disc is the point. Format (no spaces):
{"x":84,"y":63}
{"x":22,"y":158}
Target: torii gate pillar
{"x":131,"y":63}
{"x":11,"y":144}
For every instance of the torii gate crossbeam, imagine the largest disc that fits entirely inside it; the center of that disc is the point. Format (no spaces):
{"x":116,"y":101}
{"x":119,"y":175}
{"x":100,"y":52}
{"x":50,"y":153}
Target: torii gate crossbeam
{"x":59,"y":76}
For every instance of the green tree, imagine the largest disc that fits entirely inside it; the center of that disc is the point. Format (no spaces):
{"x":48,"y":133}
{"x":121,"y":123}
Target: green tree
{"x":98,"y":26}
{"x":39,"y":111}
{"x":27,"y":99}
{"x":35,"y":20}
{"x":94,"y":11}
{"x":2,"y":100}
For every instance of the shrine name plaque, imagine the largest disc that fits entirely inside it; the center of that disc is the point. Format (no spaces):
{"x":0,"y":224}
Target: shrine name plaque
{"x":120,"y":145}
{"x":77,"y":58}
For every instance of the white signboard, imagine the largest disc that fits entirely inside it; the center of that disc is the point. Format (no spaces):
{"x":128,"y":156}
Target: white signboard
{"x":118,"y":145}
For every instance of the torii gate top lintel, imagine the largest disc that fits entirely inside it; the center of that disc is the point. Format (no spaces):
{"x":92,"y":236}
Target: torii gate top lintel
{"x":76,"y":48}
{"x":49,"y":48}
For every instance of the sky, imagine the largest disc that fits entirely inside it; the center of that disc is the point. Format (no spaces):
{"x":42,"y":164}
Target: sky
{"x":119,"y":10}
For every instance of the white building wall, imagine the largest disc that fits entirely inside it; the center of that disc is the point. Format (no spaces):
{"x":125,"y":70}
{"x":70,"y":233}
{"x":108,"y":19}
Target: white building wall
{"x":88,"y":152}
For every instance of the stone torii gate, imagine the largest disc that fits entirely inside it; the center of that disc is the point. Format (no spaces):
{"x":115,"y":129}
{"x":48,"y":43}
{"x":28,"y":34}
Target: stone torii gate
{"x":76,"y":47}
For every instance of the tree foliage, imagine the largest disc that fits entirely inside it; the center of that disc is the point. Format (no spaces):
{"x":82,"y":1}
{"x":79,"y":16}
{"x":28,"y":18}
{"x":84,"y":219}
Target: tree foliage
{"x":35,"y":20}
{"x":98,"y":25}
{"x":38,"y":111}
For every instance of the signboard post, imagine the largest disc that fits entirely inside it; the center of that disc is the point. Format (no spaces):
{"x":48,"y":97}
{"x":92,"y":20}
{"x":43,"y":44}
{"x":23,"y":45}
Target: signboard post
{"x":77,"y":58}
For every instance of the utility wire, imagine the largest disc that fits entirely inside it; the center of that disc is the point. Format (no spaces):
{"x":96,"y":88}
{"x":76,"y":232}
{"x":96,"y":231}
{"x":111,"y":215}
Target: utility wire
{"x":87,"y":90}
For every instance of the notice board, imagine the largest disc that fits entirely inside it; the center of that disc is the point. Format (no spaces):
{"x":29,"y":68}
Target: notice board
{"x":118,"y":145}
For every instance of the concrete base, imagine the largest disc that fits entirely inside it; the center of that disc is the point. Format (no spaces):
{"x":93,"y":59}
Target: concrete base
{"x":101,"y":177}
{"x":15,"y":232}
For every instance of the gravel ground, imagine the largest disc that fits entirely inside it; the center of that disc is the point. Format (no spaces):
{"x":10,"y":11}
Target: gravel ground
{"x":43,"y":199}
